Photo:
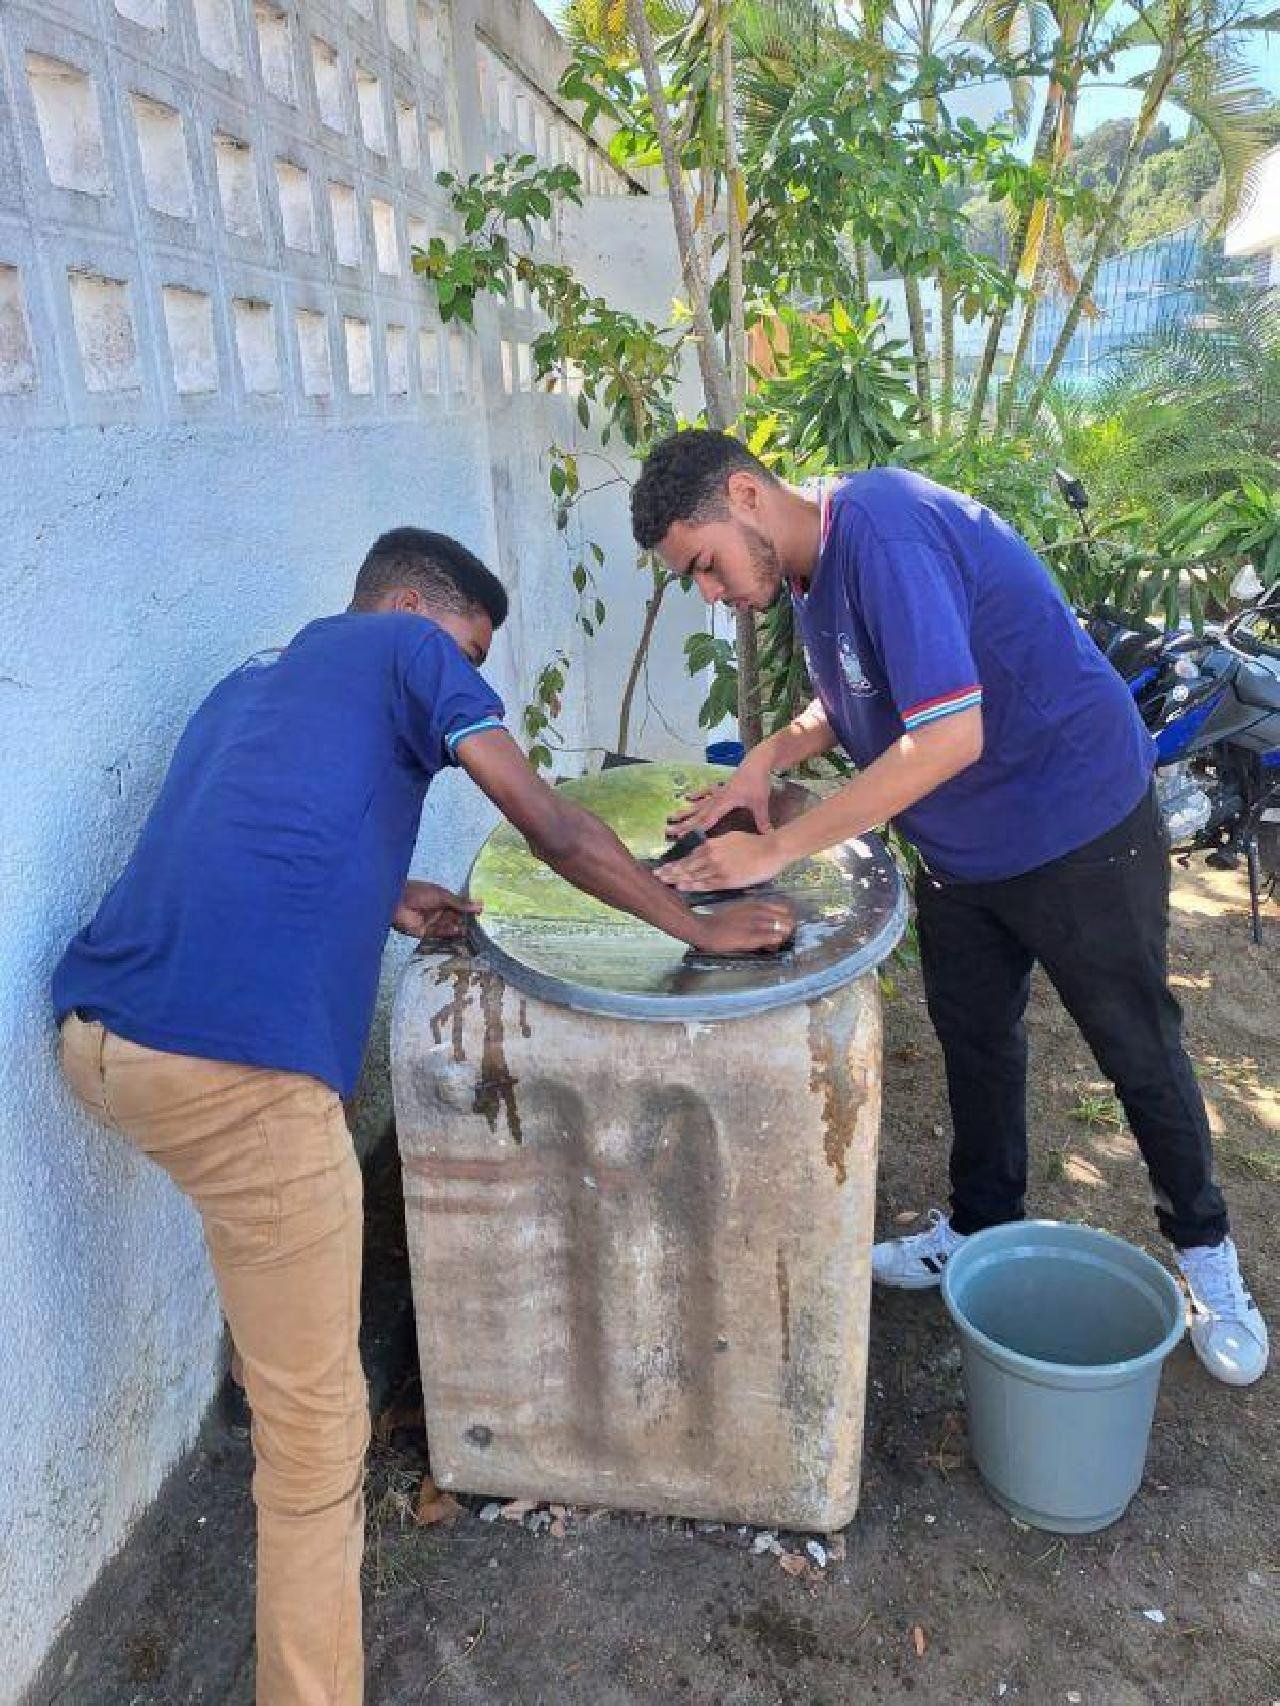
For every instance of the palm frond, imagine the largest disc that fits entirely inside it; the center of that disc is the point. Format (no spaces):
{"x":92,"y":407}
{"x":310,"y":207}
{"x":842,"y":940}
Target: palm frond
{"x":1215,"y":88}
{"x":1056,"y":265}
{"x":603,"y":23}
{"x":1002,"y":26}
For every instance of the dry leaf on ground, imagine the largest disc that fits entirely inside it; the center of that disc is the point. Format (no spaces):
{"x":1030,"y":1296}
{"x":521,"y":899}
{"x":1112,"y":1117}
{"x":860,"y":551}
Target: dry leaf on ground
{"x":433,"y":1506}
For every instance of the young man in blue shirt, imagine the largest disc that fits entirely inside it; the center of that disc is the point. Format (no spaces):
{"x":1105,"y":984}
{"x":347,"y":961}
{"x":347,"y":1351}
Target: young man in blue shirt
{"x":988,"y":726}
{"x":216,"y":1009}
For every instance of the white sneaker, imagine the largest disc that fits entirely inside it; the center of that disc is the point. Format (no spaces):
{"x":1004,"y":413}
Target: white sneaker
{"x":1228,"y":1333}
{"x":916,"y":1263}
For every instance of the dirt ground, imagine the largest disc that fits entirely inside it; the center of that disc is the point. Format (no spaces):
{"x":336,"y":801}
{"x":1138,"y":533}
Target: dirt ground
{"x":940,"y":1596}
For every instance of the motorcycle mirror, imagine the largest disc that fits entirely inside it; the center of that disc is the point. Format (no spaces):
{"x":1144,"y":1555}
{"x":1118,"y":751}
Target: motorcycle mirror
{"x":1246,"y":585}
{"x":1073,"y":492}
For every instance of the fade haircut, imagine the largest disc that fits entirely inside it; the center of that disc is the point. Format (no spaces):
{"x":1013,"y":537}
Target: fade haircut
{"x":445,"y":573}
{"x":684,"y":478}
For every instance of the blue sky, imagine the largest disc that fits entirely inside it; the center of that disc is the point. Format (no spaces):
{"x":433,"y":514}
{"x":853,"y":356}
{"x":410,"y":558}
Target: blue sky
{"x":1100,"y":103}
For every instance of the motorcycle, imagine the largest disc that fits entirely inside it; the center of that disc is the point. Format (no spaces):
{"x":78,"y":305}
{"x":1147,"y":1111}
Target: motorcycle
{"x":1212,"y":703}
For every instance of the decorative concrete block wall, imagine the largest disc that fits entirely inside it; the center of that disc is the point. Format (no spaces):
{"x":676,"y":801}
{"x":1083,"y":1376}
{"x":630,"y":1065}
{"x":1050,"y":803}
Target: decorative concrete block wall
{"x":219,"y":380}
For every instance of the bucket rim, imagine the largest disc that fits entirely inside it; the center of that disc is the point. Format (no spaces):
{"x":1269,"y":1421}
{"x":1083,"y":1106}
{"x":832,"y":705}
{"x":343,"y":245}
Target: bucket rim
{"x":1051,"y":1373}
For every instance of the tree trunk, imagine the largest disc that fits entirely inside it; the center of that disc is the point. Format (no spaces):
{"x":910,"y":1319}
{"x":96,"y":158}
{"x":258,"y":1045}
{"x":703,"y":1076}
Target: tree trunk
{"x":1008,"y":396}
{"x":715,"y":378}
{"x":1101,"y":241}
{"x":735,"y":193}
{"x":718,"y":386}
{"x":1021,"y":349}
{"x":946,"y":295}
{"x":750,"y":697}
{"x":661,"y":581}
{"x":995,"y":326}
{"x":861,"y":273}
{"x":1031,"y":308}
{"x":947,"y":347}
{"x":919,"y":353}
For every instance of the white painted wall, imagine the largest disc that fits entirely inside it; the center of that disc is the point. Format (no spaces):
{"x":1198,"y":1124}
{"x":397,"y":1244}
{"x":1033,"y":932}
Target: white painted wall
{"x":970,"y":335}
{"x":1255,"y":228}
{"x":218,"y":382}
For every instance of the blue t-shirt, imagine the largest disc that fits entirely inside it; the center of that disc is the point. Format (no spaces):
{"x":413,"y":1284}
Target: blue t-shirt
{"x":250,"y":922}
{"x":925,"y":603}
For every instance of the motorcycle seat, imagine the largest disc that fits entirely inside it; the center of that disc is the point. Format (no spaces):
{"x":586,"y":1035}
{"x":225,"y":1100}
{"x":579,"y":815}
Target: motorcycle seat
{"x":1258,"y":687}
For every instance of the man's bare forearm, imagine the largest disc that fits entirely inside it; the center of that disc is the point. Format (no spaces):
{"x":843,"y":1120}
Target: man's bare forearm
{"x":576,"y":845}
{"x":912,"y":767}
{"x":806,"y":736}
{"x":586,"y":852}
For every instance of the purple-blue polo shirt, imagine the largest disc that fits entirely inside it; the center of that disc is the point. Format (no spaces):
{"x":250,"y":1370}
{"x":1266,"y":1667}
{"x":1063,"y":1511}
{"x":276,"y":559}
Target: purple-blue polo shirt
{"x":250,"y":921}
{"x":925,"y":603}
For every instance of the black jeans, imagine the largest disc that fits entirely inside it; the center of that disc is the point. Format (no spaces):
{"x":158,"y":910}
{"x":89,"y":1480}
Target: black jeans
{"x":1097,"y":920}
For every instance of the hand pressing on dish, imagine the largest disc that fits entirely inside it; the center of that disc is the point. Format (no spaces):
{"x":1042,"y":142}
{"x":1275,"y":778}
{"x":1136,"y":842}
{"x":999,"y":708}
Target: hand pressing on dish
{"x":747,"y":789}
{"x":745,"y":927}
{"x":733,"y":861}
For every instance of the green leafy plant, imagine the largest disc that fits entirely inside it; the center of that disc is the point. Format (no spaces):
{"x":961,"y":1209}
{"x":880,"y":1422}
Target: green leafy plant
{"x":844,"y":398}
{"x":1098,"y":1111}
{"x":715,"y":653}
{"x":544,"y":707}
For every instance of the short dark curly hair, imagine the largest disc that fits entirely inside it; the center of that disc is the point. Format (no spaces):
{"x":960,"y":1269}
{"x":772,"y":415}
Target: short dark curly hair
{"x":442,"y":570}
{"x":684,"y":479}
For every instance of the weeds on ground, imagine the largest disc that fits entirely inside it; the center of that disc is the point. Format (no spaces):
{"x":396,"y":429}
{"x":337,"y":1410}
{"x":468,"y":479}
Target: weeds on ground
{"x":393,"y":1553}
{"x":1097,"y":1110}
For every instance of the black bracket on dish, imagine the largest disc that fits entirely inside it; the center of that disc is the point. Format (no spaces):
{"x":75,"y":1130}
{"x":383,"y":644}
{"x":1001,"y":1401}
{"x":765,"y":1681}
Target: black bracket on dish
{"x":717,"y":962}
{"x":681,"y":848}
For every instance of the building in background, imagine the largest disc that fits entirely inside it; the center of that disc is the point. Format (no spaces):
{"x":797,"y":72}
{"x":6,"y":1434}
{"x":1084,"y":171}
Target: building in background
{"x":969,"y":336}
{"x":1137,"y":293}
{"x":1253,"y":236}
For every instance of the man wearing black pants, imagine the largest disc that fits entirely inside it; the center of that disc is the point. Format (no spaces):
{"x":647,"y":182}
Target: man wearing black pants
{"x":1097,"y":921}
{"x":987,"y":725}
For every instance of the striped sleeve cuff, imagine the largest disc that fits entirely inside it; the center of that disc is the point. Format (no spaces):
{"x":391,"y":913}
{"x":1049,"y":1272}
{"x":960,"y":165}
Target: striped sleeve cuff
{"x":945,"y":705}
{"x":451,"y":741}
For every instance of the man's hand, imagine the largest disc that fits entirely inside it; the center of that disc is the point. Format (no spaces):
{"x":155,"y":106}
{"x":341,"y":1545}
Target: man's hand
{"x":748,"y":788}
{"x":734,"y":861}
{"x":746,"y":927}
{"x":432,"y":913}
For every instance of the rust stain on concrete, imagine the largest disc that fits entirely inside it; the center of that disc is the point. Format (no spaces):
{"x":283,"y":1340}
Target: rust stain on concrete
{"x":458,"y":972}
{"x":497,"y":1086}
{"x":834,"y":1076}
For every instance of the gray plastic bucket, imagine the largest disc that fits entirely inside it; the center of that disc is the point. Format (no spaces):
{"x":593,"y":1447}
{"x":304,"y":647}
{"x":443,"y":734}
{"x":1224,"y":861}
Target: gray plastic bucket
{"x":1064,"y":1332}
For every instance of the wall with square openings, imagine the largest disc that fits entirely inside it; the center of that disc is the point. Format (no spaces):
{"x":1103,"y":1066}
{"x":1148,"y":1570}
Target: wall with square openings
{"x":220,"y":379}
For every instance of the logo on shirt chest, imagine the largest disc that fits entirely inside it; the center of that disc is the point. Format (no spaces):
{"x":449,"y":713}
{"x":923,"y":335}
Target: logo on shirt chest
{"x":855,"y":677}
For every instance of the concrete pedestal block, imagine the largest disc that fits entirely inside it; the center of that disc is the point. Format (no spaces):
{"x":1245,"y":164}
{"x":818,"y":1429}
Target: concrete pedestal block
{"x":640,"y":1252}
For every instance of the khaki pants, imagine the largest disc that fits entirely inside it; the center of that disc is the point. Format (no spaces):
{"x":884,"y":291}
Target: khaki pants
{"x":267,"y":1159}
